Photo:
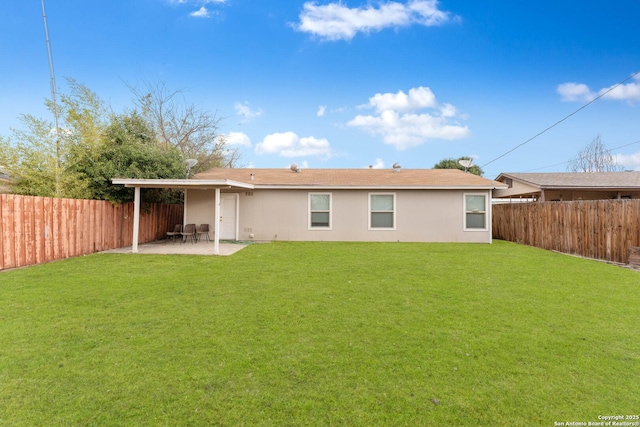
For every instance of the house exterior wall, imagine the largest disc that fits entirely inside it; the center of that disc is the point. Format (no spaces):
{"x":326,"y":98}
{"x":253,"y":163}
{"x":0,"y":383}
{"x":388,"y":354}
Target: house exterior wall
{"x":200,"y":208}
{"x":569,"y":195}
{"x":420,"y":215}
{"x":523,"y":190}
{"x":517,"y":189}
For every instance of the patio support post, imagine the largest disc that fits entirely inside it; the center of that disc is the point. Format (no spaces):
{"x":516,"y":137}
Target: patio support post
{"x":216,"y":224}
{"x":136,"y":219}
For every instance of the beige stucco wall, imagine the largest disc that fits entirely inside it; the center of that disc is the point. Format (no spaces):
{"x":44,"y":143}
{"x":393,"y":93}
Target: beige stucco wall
{"x":421,"y":216}
{"x":200,"y":208}
{"x":517,"y":189}
{"x":524,"y":190}
{"x":568,"y":195}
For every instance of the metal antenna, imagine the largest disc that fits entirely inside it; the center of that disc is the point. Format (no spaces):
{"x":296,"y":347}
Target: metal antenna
{"x":53,"y":95}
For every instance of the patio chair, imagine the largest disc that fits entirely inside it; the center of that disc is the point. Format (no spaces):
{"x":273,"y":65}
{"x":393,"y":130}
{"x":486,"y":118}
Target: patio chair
{"x":203,"y":230}
{"x":177,"y":231}
{"x":189,"y":232}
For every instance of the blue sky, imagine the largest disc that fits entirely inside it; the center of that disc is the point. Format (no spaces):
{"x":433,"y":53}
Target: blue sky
{"x":352,"y":83}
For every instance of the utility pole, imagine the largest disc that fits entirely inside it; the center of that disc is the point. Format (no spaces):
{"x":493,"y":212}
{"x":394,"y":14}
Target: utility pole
{"x":53,"y":96}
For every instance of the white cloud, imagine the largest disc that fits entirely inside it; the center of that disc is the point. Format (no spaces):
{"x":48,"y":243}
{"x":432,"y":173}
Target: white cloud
{"x":237,"y":138}
{"x":196,"y":2}
{"x":321,"y":110}
{"x":448,"y":110}
{"x":203,"y":12}
{"x":575,"y":92}
{"x":334,"y":21}
{"x":580,"y":92}
{"x":401,"y":123}
{"x":624,"y":92}
{"x":200,"y":13}
{"x":246,"y":112}
{"x":288,"y":144}
{"x":629,"y":161}
{"x":420,"y":97}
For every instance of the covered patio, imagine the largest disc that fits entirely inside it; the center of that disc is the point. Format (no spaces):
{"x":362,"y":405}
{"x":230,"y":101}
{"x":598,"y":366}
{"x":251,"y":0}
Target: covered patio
{"x":184,"y":184}
{"x":164,"y":247}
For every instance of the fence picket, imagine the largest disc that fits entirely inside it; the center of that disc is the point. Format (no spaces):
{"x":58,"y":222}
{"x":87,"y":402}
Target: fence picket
{"x":601,"y":229}
{"x":41,"y":229}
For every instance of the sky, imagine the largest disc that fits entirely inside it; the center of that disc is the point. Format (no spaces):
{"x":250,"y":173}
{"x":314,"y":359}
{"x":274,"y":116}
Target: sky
{"x":520,"y":86}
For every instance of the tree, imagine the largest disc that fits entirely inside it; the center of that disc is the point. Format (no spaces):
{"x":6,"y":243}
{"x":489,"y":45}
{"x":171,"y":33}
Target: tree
{"x":455,"y":164}
{"x":90,"y":147}
{"x":38,"y":155}
{"x":34,"y":158}
{"x":595,"y":157}
{"x":191,"y":129}
{"x":128,"y":149}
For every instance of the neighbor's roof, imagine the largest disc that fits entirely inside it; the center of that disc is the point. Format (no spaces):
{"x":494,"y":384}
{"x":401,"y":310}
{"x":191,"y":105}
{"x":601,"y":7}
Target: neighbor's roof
{"x":603,"y":180}
{"x":4,"y":175}
{"x":352,"y":178}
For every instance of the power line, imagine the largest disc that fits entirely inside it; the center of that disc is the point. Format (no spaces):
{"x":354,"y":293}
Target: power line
{"x":568,"y":161}
{"x":564,"y":118}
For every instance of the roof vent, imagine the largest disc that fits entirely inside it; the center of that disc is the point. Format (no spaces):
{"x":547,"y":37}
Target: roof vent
{"x":396,"y":167}
{"x":294,"y":167}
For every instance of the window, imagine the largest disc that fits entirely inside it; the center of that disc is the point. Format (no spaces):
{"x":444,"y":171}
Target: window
{"x":320,"y":210}
{"x":382,"y":214}
{"x":475,"y":207}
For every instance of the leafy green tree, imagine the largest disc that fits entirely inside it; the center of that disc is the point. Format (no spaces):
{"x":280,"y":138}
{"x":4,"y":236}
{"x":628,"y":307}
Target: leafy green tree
{"x":90,"y":146}
{"x":33,"y":157}
{"x":128,"y":150}
{"x":455,"y":164}
{"x":39,"y":155}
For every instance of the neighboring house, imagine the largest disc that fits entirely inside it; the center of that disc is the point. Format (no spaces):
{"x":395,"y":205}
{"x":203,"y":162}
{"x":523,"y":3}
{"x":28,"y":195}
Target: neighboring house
{"x":383,"y":205}
{"x":567,"y":186}
{"x":5,"y":181}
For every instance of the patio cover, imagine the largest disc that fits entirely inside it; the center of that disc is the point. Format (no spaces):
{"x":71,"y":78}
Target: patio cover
{"x":202,"y":184}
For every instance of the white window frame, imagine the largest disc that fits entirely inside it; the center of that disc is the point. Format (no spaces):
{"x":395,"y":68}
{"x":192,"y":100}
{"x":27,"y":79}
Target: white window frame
{"x":309,"y":226}
{"x":486,"y":212}
{"x":370,"y":212}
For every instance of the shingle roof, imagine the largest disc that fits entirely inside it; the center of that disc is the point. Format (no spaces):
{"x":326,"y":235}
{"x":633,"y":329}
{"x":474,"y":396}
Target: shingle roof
{"x":3,"y":174}
{"x":445,"y":178}
{"x":629,"y":179}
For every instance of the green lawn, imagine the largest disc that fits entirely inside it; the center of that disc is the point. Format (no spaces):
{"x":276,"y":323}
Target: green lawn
{"x":352,"y":334}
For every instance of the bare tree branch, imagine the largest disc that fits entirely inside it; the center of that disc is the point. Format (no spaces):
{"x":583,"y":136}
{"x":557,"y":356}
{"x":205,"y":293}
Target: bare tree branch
{"x":193,"y":130}
{"x":595,"y":157}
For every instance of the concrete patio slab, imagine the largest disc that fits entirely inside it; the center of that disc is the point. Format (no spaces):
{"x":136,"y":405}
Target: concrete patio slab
{"x":170,"y":248}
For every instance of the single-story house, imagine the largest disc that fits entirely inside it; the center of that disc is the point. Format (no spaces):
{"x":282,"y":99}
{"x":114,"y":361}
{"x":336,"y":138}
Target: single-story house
{"x":567,"y":186}
{"x":409,"y":205}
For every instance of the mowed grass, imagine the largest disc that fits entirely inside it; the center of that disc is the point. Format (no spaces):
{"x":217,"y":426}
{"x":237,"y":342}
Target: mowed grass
{"x":357,"y":334}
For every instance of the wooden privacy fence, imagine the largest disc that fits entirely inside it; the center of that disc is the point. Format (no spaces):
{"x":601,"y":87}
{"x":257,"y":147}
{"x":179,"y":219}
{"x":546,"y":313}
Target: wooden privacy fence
{"x":600,"y":229}
{"x":41,"y":229}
